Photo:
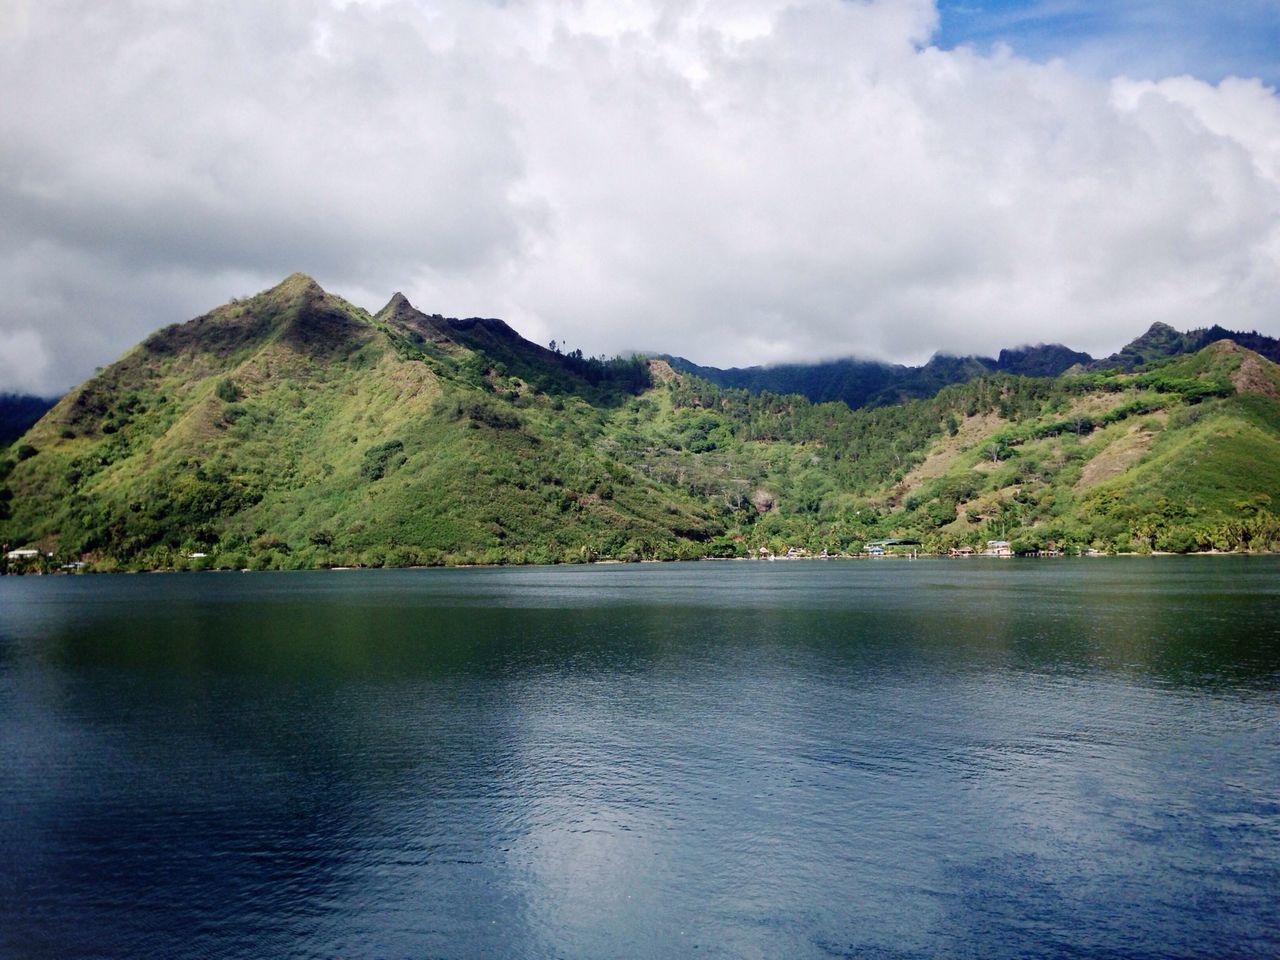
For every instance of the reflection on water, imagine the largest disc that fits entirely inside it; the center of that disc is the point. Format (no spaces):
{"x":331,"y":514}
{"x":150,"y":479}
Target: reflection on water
{"x":808,"y":759}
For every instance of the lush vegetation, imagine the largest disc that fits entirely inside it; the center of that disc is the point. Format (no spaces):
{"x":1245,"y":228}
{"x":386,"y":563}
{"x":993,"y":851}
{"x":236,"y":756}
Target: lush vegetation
{"x":864,"y":383}
{"x":292,"y":429}
{"x":1162,"y":342}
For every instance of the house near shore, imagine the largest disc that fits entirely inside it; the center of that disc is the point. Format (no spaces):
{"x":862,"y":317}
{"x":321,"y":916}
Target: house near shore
{"x":24,"y":554}
{"x":961,"y":552}
{"x":998,"y":548}
{"x":878,"y":548}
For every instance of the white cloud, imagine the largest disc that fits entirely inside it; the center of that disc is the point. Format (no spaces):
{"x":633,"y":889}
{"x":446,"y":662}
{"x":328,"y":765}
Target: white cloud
{"x":737,"y":181}
{"x":23,"y":360}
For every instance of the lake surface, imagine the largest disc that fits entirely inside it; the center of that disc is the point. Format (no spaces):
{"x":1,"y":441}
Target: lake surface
{"x":875,"y":759}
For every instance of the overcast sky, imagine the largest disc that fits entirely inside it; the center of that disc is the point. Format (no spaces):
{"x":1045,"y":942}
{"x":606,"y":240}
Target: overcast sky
{"x":736,"y":181}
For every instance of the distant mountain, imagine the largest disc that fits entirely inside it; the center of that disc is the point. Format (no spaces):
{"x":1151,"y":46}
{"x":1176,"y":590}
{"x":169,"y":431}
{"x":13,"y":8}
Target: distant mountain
{"x":293,"y":429}
{"x":856,"y":382}
{"x":1045,"y":360}
{"x":867,"y":383}
{"x":18,"y":411}
{"x":1162,"y":341}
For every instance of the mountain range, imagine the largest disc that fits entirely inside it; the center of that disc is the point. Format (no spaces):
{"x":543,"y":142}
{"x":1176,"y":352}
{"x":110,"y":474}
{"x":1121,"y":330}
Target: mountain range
{"x":293,"y":429}
{"x":861,"y":383}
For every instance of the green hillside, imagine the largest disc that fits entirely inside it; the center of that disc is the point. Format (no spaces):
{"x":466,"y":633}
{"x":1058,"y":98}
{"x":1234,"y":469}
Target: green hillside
{"x":866,"y":383}
{"x":293,"y":429}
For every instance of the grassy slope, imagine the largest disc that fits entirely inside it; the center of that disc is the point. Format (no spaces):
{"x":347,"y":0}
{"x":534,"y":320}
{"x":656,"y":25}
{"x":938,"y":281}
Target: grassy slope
{"x":294,"y":429}
{"x":291,"y":429}
{"x":1172,"y":457}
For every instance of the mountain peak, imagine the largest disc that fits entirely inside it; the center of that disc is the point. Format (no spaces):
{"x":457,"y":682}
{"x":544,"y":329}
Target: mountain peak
{"x":397,"y":308}
{"x":1160,"y":334}
{"x":401,"y":313}
{"x":296,"y":285}
{"x":1159,"y":342}
{"x":1040,"y":360}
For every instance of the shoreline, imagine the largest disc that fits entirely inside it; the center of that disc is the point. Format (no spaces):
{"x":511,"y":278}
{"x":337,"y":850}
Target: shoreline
{"x":345,"y":568}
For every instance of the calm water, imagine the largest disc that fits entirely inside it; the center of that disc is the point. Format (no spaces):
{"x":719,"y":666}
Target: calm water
{"x":844,"y":759}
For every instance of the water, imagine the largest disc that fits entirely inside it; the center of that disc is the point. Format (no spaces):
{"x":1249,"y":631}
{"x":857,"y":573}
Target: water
{"x":842,"y":759}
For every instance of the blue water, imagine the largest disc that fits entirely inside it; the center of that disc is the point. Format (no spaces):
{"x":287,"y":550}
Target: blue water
{"x":814,"y":759}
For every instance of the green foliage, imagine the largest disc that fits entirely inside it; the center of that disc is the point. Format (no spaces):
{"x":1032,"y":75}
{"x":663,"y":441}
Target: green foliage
{"x":377,"y":442}
{"x":227,"y":391}
{"x":381,"y":459}
{"x":481,"y":411}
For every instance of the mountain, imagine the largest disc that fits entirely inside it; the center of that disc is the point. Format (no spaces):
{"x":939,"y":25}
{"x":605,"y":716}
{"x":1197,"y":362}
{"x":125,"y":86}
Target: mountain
{"x":18,"y":411}
{"x":867,"y":383}
{"x":294,"y":424}
{"x":1045,"y":360}
{"x":293,"y":429}
{"x":1162,"y":341}
{"x":855,"y":382}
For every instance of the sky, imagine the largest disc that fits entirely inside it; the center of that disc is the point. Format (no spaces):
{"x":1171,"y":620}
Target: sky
{"x":734,"y":181}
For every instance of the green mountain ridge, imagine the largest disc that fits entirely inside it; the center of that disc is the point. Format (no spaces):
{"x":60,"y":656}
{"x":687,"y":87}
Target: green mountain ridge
{"x":863,"y":383}
{"x":293,"y":429}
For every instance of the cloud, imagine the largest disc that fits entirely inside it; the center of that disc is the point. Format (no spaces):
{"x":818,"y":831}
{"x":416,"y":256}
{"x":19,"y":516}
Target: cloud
{"x":22,"y":359}
{"x":739,"y":181}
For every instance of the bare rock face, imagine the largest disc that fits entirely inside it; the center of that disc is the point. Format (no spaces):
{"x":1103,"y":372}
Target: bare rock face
{"x":764,"y":501}
{"x":662,"y":372}
{"x":1252,"y":377}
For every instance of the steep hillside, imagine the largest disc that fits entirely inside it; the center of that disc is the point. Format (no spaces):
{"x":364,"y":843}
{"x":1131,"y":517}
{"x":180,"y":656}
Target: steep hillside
{"x":1183,"y":457}
{"x":293,"y":429}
